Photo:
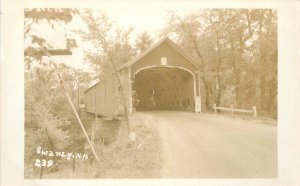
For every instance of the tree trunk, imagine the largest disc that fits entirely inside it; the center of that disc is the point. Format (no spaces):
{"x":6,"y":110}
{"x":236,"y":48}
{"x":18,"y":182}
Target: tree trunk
{"x":73,"y":167}
{"x":52,"y":148}
{"x":42,"y":172}
{"x":236,"y":75}
{"x":202,"y":66}
{"x":262,"y":68}
{"x":122,"y":93}
{"x":218,"y":100}
{"x":219,"y":78}
{"x":207,"y":102}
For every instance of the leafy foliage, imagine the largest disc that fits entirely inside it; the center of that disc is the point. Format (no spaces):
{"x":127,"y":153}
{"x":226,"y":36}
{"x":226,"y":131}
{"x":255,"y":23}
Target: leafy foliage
{"x":110,"y":42}
{"x":49,"y":120}
{"x":39,"y":46}
{"x":111,"y":50}
{"x":237,"y":52}
{"x":143,"y":41}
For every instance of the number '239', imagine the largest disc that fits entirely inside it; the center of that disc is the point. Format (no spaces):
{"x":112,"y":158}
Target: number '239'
{"x":43,"y":163}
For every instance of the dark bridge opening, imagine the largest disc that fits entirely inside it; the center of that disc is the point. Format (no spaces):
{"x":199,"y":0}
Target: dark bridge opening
{"x":163,"y":88}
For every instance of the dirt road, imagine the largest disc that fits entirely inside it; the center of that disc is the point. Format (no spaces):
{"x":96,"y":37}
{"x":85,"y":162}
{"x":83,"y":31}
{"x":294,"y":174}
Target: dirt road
{"x":216,"y":146}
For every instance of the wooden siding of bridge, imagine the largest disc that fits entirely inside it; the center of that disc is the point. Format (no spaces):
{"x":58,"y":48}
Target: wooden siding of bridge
{"x":104,"y":98}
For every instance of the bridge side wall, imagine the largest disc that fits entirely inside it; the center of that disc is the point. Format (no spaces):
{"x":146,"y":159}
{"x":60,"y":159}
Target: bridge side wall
{"x":105,"y":98}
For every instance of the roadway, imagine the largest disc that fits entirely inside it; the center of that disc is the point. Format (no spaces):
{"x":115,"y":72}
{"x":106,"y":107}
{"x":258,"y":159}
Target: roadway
{"x":215,"y":146}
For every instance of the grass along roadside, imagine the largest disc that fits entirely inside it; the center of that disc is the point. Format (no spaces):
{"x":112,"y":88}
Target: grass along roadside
{"x":122,"y":159}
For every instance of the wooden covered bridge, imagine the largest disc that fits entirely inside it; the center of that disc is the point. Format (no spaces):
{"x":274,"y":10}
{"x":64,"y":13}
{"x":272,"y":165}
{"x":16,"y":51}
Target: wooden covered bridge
{"x":163,"y":77}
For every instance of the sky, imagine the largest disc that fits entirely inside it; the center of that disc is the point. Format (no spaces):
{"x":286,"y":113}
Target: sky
{"x":149,"y":17}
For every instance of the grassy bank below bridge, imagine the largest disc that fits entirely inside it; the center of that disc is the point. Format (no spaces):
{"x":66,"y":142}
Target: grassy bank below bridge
{"x":121,"y":159}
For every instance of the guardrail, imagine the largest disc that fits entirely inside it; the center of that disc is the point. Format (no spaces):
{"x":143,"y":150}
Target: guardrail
{"x":253,"y":111}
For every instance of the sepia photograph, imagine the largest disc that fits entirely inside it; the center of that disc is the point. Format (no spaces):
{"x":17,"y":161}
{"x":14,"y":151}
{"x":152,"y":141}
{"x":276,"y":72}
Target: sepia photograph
{"x":172,"y":93}
{"x":150,"y":93}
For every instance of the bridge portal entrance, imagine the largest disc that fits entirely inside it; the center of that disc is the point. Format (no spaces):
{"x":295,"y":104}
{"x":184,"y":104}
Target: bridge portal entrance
{"x":164,"y":88}
{"x":163,"y":77}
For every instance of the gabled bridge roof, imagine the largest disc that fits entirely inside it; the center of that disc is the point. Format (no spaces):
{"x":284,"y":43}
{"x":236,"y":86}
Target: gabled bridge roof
{"x":153,"y":47}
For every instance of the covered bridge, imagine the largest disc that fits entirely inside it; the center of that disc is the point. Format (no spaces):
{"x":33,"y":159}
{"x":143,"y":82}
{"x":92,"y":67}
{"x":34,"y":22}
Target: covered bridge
{"x":163,"y":77}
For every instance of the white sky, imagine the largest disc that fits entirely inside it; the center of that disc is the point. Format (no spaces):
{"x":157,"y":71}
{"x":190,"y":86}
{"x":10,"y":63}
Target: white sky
{"x":148,"y":17}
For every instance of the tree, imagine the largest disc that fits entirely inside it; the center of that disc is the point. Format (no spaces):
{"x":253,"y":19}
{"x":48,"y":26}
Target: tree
{"x":267,"y":59}
{"x":111,"y":49}
{"x":143,"y":41}
{"x":49,"y":121}
{"x":237,"y":52}
{"x":44,"y":125}
{"x":185,"y":31}
{"x":39,"y":46}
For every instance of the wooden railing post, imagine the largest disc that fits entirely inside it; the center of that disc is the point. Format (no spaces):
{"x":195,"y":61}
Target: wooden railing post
{"x":215,"y":109}
{"x":254,"y":111}
{"x":232,"y":110}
